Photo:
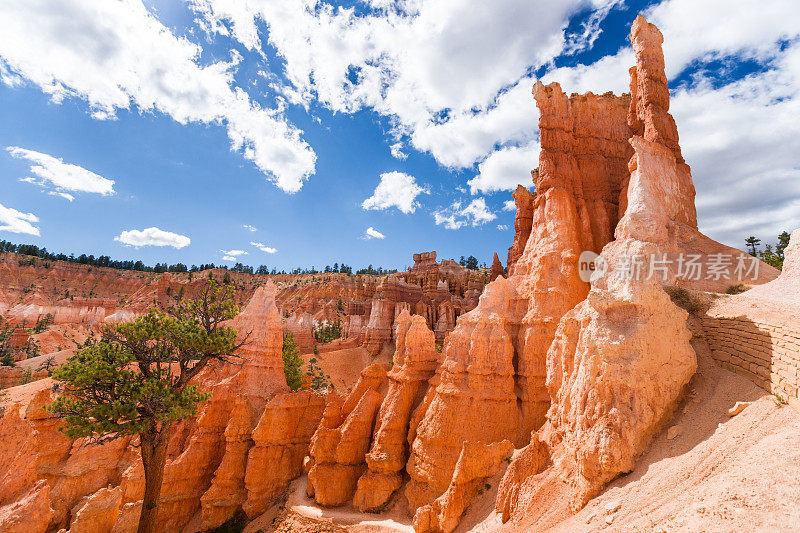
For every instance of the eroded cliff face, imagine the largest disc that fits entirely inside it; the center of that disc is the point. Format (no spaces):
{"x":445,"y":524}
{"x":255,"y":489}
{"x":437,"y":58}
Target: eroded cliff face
{"x":215,"y":464}
{"x":582,"y":165}
{"x":621,"y":357}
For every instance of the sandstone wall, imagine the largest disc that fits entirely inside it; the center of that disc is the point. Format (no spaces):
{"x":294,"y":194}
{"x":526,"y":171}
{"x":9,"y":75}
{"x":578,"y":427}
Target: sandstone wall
{"x":757,"y":333}
{"x":767,"y":354}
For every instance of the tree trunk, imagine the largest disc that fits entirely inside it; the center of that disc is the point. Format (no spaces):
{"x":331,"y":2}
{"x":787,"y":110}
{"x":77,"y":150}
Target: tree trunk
{"x":154,"y":457}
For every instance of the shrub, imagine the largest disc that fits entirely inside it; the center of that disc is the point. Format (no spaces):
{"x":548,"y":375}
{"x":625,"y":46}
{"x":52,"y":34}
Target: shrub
{"x":43,"y":323}
{"x":738,"y":288}
{"x":318,"y":380}
{"x":27,"y":376}
{"x":49,"y":365}
{"x":32,"y":349}
{"x":688,"y":300}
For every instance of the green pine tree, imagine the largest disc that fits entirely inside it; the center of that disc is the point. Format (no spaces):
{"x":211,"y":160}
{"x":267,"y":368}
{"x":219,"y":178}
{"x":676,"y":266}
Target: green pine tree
{"x":136,"y":380}
{"x":292,"y":362}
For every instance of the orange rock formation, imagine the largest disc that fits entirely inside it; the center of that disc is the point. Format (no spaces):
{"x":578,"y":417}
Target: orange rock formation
{"x":340,"y":444}
{"x":523,"y":222}
{"x":215,"y":462}
{"x":415,"y":362}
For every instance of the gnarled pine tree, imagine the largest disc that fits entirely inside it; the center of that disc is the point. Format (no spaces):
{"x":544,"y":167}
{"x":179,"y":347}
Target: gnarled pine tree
{"x":136,"y":380}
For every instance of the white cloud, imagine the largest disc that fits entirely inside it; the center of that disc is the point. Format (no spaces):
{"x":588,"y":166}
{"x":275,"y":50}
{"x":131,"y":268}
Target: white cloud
{"x":264,"y":248}
{"x":53,"y":172}
{"x":475,"y":213}
{"x":65,"y":195}
{"x":609,"y":73}
{"x":116,"y":55}
{"x":395,"y":189}
{"x":468,"y":136}
{"x":372,"y":233}
{"x":742,"y":141}
{"x":17,"y":221}
{"x":502,"y":227}
{"x":446,"y":78}
{"x":509,"y":205}
{"x":506,"y":168}
{"x":397,"y":151}
{"x":248,"y":227}
{"x":741,"y":28}
{"x":232,"y":255}
{"x":152,"y":237}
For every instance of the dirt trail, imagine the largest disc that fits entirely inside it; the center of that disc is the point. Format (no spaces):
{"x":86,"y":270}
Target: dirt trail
{"x":300,"y":513}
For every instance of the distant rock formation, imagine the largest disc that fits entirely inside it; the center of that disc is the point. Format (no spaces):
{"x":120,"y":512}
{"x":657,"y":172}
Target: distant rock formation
{"x":439,"y":292}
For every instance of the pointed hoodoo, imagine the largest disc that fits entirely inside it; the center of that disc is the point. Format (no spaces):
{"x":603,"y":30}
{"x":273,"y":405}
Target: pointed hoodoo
{"x":497,"y":268}
{"x":415,"y":362}
{"x":261,"y":372}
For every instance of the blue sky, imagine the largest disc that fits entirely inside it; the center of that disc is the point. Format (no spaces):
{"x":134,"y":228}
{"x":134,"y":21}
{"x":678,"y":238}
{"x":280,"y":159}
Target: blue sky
{"x":359,"y":132}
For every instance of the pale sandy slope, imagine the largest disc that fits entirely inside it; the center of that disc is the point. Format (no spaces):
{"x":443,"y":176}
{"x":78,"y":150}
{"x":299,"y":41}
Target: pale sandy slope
{"x":718,"y":473}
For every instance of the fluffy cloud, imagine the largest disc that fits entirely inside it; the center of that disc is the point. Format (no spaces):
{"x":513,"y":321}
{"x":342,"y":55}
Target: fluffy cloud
{"x":506,"y":168}
{"x":743,"y":143}
{"x":116,"y":55}
{"x":152,"y":237}
{"x":248,"y":227}
{"x":264,"y":248}
{"x":372,"y":233}
{"x":511,"y":118}
{"x":17,"y":221}
{"x":417,"y":62}
{"x":502,"y":227}
{"x":53,"y":172}
{"x":397,"y":150}
{"x":609,"y":73}
{"x":740,"y":29}
{"x":232,"y":255}
{"x":509,"y":205}
{"x":475,"y":213}
{"x":395,"y":189}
